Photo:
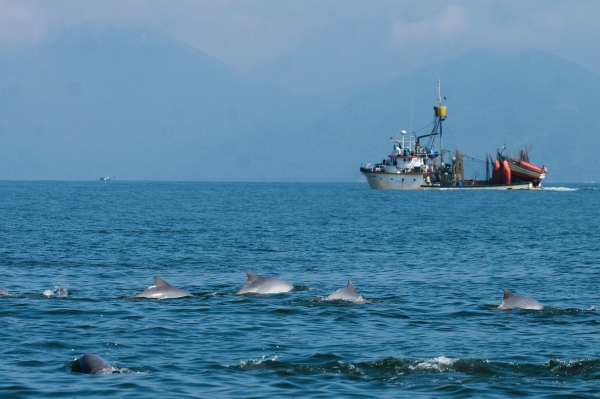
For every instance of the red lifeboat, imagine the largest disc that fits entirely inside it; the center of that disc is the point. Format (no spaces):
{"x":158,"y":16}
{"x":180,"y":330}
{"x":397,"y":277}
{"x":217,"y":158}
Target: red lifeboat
{"x":505,"y":175}
{"x":531,"y":167}
{"x":496,"y":173}
{"x":524,"y":171}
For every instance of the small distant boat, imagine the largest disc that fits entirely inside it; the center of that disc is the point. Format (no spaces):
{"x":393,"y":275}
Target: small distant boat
{"x":107,"y":178}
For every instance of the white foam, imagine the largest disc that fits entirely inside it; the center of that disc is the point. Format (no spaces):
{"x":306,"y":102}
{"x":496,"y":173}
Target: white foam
{"x":437,"y":364}
{"x":249,"y":363}
{"x":559,"y":189}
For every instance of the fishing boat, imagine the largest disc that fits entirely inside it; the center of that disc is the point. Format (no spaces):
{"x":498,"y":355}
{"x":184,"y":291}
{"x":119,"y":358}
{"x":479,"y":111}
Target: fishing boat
{"x":107,"y":178}
{"x":415,"y":165}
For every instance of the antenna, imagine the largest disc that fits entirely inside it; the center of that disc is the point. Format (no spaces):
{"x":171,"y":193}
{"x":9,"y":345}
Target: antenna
{"x":412,"y":105}
{"x":439,"y":94}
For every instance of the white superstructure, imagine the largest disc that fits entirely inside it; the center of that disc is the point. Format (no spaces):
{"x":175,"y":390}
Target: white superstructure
{"x":404,"y":169}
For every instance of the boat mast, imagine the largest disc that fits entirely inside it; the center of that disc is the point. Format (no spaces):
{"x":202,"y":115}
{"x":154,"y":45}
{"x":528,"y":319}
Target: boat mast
{"x":440,"y":114}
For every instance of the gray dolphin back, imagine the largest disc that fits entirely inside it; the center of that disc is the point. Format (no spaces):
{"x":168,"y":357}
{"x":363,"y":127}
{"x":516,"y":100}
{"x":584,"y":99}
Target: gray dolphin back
{"x":512,"y":301}
{"x":257,"y":284}
{"x":3,"y":291}
{"x":92,"y":364}
{"x":347,"y":293}
{"x":162,"y":290}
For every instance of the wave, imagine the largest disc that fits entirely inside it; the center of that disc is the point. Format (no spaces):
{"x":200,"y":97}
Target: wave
{"x":390,"y":368}
{"x":560,"y":189}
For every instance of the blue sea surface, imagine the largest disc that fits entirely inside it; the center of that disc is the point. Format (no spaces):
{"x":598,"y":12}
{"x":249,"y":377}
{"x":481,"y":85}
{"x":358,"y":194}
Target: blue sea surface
{"x":431,"y":264}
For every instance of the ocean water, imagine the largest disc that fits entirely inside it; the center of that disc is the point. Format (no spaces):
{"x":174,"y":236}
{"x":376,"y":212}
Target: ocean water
{"x":432,"y":266}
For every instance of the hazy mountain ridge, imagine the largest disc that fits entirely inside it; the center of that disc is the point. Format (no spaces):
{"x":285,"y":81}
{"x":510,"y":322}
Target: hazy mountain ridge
{"x":143,"y":106}
{"x":151,"y":109}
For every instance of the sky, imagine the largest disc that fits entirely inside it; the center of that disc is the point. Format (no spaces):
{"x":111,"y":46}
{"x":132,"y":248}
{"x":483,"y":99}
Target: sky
{"x":76,"y":72}
{"x":332,"y":43}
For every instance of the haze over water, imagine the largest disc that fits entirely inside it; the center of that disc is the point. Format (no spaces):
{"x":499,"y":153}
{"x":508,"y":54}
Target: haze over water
{"x":432,"y":266}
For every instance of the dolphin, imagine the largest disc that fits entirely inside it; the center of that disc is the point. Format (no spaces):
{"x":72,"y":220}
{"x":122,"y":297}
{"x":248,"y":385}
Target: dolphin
{"x":162,"y":290}
{"x":512,"y":301}
{"x":3,"y":291}
{"x":92,"y":364}
{"x":264,"y":285}
{"x":347,"y":293}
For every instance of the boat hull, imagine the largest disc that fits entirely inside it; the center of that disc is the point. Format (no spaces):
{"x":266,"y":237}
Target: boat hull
{"x":395,"y":181}
{"x":513,"y":186}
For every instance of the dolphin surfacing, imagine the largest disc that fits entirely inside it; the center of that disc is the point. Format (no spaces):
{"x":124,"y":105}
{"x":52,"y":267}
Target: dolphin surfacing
{"x":92,"y":364}
{"x":3,"y":291}
{"x":512,"y":301}
{"x":347,"y":293}
{"x":264,"y":285}
{"x":162,"y":290}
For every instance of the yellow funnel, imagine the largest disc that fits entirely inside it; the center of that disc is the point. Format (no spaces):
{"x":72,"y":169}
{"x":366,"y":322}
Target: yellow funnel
{"x":440,"y":111}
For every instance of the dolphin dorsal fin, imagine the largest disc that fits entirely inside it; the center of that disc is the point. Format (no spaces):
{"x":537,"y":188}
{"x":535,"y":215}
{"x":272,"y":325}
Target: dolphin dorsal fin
{"x":159,"y":281}
{"x":252,"y":276}
{"x":507,"y":293}
{"x":350,"y":286}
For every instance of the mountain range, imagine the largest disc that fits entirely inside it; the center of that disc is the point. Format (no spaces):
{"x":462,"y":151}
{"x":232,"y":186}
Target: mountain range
{"x":142,"y":106}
